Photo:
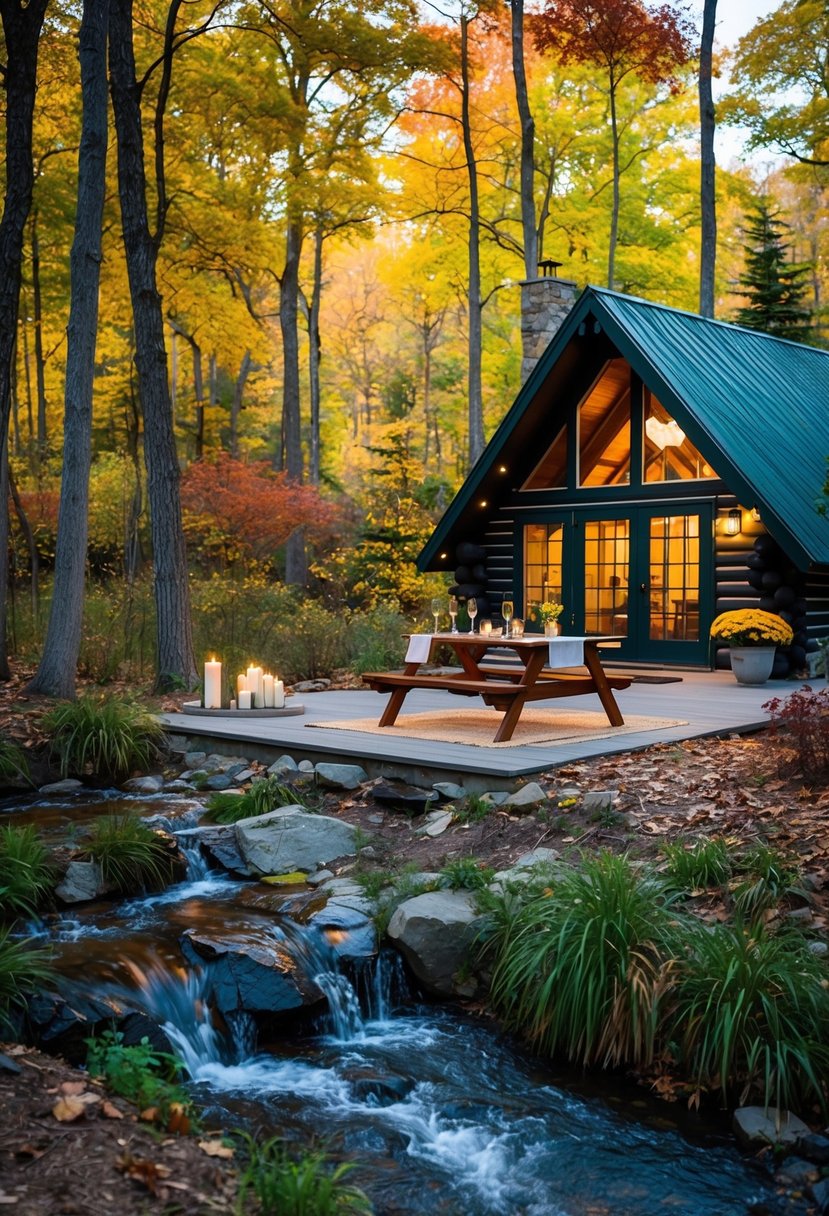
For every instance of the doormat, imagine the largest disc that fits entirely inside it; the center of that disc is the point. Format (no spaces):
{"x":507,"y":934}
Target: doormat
{"x":657,"y":679}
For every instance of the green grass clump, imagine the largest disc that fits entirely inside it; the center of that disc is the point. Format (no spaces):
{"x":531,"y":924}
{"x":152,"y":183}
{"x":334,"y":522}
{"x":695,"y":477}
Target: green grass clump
{"x":263,"y":796}
{"x":24,"y":967}
{"x":132,"y":857}
{"x":13,"y":763}
{"x":765,"y":877}
{"x":466,"y":874}
{"x":284,"y":1185}
{"x":26,"y":876}
{"x":708,"y":863}
{"x":473,"y":809}
{"x":751,"y":1015}
{"x":108,"y":738}
{"x":581,"y":964}
{"x":139,"y":1073}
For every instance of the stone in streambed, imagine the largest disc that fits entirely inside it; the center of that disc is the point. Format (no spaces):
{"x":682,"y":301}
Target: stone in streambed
{"x":219,"y":843}
{"x":218,"y":781}
{"x":436,"y":932}
{"x":290,"y":838}
{"x":144,"y":785}
{"x":753,"y":1125}
{"x":68,"y":786}
{"x":252,"y":977}
{"x":83,"y":880}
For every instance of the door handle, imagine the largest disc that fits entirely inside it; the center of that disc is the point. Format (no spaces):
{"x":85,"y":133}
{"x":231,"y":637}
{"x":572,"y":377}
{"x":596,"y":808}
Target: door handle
{"x":643,"y":587}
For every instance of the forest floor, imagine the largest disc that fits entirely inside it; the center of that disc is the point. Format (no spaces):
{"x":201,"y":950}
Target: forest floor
{"x":106,"y":1160}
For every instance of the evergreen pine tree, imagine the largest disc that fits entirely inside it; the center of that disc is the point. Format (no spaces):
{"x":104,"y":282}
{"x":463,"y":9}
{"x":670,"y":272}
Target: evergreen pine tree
{"x":773,"y":285}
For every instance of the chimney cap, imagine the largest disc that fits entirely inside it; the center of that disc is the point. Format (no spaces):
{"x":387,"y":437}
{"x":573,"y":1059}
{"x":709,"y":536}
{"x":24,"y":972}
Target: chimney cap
{"x":548,"y":267}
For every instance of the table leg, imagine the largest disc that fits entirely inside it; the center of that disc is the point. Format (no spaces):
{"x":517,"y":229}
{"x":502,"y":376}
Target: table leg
{"x":533,"y":667}
{"x":396,"y":699}
{"x":594,"y":665}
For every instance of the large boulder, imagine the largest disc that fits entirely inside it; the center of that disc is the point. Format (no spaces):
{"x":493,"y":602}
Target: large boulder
{"x":435,"y":933}
{"x":290,"y":838}
{"x":251,"y":976}
{"x":83,"y":880}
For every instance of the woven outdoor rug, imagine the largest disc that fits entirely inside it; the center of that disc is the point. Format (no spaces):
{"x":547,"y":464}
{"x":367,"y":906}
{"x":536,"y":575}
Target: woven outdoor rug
{"x":476,"y":727}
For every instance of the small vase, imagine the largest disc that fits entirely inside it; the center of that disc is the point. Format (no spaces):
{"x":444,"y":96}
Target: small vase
{"x":552,"y":629}
{"x":752,"y":664}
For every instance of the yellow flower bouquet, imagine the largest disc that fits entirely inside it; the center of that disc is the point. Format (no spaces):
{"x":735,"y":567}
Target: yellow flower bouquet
{"x":751,"y":627}
{"x":550,"y":610}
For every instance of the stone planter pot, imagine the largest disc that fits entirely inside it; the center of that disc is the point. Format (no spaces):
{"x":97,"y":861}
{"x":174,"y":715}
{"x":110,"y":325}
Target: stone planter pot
{"x":752,"y":664}
{"x":552,"y":629}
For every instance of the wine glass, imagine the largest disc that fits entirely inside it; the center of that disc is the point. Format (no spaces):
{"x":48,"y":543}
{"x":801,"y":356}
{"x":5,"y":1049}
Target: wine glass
{"x":453,"y":612}
{"x":472,"y":610}
{"x":437,"y":605}
{"x":507,"y":610}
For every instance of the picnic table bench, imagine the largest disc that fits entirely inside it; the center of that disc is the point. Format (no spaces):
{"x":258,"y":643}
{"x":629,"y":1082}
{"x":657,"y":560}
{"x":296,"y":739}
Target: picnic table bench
{"x":507,"y":688}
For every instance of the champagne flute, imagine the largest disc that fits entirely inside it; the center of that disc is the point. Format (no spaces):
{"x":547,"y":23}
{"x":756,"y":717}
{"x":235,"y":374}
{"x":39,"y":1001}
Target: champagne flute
{"x":453,"y":612}
{"x":507,"y":610}
{"x":437,"y":604}
{"x":472,"y":610}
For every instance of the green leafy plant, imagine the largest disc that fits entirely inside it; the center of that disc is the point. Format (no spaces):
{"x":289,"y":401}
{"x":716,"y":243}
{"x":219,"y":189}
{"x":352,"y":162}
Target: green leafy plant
{"x":106,"y":737}
{"x":13,"y":763}
{"x":263,"y":796}
{"x":473,"y":809}
{"x":466,"y":874}
{"x":707,"y":863}
{"x":24,"y":967}
{"x":284,"y":1185}
{"x":767,"y":877}
{"x":581,"y":964}
{"x":26,"y":876}
{"x":132,"y":856}
{"x":751,"y":1015}
{"x":143,"y":1075}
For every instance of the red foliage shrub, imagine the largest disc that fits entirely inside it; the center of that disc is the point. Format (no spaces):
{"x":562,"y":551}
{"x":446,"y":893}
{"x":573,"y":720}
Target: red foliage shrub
{"x":800,"y":722}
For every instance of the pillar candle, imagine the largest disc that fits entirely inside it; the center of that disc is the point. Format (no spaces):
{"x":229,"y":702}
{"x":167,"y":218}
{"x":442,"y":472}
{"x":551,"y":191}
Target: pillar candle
{"x":267,"y":690}
{"x":241,"y":683}
{"x":245,"y":699}
{"x":278,"y":694}
{"x":259,"y":691}
{"x":213,"y":685}
{"x":232,"y":704}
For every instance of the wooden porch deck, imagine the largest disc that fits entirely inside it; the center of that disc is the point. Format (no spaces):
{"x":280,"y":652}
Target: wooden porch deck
{"x":711,"y":703}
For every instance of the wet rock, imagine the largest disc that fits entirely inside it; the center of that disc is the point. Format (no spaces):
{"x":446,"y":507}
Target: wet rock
{"x":219,"y":843}
{"x":380,"y":1091}
{"x":219,"y":781}
{"x":796,"y":1172}
{"x":282,"y":766}
{"x":340,"y":776}
{"x":449,"y":792}
{"x":528,"y":796}
{"x":68,"y":786}
{"x":599,"y":800}
{"x":179,"y":786}
{"x":144,"y":785}
{"x":348,"y":929}
{"x":814,"y":1147}
{"x":435,"y":933}
{"x":195,"y":759}
{"x":251,"y":977}
{"x":196,"y":775}
{"x":409,"y":798}
{"x":290,"y":838}
{"x":754,"y":1126}
{"x":820,"y":1193}
{"x":64,"y":1022}
{"x":83,"y":880}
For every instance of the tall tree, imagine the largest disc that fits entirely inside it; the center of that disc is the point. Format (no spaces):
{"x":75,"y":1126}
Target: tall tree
{"x":22,"y":23}
{"x":623,"y":37}
{"x":708,"y":168}
{"x":773,"y":285}
{"x":473,"y":289}
{"x":175,"y":661}
{"x":55,"y":675}
{"x":527,"y":175}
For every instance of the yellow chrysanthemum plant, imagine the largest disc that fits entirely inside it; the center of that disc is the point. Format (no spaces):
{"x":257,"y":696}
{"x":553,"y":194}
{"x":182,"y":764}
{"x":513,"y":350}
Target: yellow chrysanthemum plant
{"x":550,"y":610}
{"x":751,"y":627}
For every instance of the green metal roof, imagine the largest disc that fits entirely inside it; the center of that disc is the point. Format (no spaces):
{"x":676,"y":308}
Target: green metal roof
{"x":757,"y":407}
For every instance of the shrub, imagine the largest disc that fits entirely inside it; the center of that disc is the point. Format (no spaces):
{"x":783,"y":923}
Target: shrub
{"x":303,"y":1186}
{"x":375,"y":639}
{"x":132,"y":856}
{"x":13,"y":763}
{"x":751,"y":1015}
{"x":26,"y":877}
{"x":581,"y":965}
{"x":707,"y":863}
{"x":800,"y":731}
{"x":142,"y":1075}
{"x":467,"y":874}
{"x":106,"y":737}
{"x":23,"y":968}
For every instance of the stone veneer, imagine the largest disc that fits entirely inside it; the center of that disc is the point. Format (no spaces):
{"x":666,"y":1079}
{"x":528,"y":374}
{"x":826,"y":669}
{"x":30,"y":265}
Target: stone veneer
{"x":545,"y":302}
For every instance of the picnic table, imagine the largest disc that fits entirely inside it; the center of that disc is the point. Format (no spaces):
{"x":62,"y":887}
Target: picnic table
{"x":541,"y":672}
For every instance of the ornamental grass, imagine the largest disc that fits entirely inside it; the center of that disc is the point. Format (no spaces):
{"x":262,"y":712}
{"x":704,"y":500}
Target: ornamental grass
{"x":105,"y":737}
{"x":751,"y":627}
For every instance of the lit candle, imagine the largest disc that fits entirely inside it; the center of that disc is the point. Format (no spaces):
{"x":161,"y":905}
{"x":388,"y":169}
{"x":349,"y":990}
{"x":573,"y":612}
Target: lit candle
{"x":485,"y":627}
{"x":232,"y":704}
{"x":245,"y":699}
{"x":259,"y":692}
{"x":267,"y":690}
{"x":278,"y":694}
{"x":213,"y":685}
{"x":241,"y":683}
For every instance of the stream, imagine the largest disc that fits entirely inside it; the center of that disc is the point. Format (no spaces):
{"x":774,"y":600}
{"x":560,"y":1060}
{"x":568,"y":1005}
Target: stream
{"x":441,"y":1113}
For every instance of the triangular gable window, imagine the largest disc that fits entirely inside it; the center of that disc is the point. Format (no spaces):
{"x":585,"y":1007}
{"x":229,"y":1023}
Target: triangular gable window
{"x":604,"y":428}
{"x":551,"y":473}
{"x":668,"y":453}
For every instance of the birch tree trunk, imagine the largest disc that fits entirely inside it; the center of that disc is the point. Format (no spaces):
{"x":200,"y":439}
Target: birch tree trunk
{"x":55,"y":675}
{"x":175,"y":661}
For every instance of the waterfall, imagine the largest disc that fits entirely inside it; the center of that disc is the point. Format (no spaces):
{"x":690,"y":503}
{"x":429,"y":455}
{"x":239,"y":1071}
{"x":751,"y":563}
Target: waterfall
{"x":178,"y":1001}
{"x":197,"y":867}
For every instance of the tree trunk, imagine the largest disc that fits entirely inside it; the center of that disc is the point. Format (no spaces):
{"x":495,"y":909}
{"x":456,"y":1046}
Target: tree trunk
{"x":476,"y":410}
{"x":296,"y":566}
{"x":707,"y":196}
{"x":198,"y":392}
{"x":614,"y":215}
{"x":34,"y":556}
{"x":236,"y":404}
{"x":528,"y":221}
{"x":56,"y":674}
{"x":175,"y":661}
{"x":314,"y":357}
{"x":22,"y":23}
{"x":40,"y":362}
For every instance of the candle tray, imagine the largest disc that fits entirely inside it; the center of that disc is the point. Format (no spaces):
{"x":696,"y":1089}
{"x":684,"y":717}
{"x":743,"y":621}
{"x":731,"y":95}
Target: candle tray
{"x":197,"y":709}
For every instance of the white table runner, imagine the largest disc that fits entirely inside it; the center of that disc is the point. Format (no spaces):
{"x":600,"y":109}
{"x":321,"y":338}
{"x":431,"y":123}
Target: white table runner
{"x":566,"y":652}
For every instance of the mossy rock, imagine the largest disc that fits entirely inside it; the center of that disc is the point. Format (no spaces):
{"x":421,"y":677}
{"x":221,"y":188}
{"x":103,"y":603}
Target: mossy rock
{"x":286,"y":880}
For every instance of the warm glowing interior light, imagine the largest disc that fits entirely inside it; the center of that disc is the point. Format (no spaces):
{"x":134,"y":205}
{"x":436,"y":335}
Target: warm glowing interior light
{"x":664,"y":434}
{"x":502,"y":468}
{"x":444,"y":556}
{"x":484,"y":502}
{"x":755,"y":514}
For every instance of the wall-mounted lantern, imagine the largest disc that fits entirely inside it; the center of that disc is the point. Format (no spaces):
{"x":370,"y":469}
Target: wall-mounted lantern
{"x":733,"y":522}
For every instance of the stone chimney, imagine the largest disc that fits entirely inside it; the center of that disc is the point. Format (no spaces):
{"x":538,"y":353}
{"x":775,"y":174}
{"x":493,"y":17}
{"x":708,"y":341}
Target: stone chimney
{"x":545,"y":302}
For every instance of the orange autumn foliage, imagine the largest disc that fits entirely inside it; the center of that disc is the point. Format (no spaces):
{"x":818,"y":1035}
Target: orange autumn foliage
{"x":234,"y":509}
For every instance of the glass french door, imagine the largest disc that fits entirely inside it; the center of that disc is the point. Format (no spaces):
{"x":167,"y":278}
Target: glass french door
{"x":642,"y":573}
